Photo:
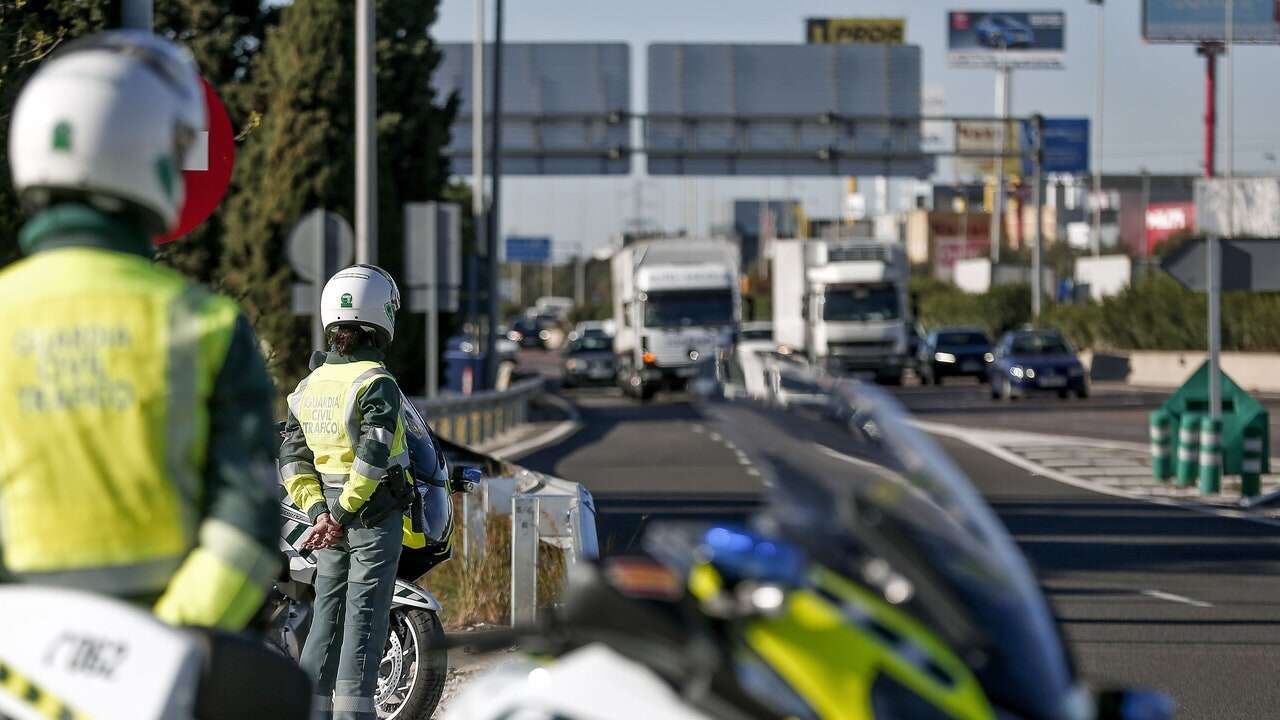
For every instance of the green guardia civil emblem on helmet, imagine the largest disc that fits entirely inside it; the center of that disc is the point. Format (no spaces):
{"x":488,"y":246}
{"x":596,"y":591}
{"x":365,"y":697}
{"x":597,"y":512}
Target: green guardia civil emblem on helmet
{"x":391,"y":312}
{"x":345,"y":300}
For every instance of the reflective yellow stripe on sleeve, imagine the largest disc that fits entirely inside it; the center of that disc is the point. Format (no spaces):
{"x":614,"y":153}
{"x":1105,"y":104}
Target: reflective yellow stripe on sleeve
{"x":222,"y":583}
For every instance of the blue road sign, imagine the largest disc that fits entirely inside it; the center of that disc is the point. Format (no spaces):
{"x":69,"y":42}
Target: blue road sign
{"x":528,"y":249}
{"x":1066,"y":145}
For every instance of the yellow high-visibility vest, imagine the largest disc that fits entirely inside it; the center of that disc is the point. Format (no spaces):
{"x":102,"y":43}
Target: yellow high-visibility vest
{"x":109,"y":364}
{"x":326,"y":405}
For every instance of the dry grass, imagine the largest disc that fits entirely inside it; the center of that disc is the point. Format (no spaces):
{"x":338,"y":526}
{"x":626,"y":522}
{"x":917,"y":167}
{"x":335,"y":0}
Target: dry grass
{"x":476,"y":592}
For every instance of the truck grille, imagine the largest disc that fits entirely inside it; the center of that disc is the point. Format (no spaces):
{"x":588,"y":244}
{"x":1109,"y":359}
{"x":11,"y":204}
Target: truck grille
{"x":860,"y":348}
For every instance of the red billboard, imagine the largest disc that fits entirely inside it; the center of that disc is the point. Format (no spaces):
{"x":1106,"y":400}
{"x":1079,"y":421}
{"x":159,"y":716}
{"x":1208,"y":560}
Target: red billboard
{"x":1164,"y":220}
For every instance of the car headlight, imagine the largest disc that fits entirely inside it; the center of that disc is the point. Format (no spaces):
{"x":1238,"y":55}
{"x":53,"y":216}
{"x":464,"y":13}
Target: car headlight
{"x":514,"y":336}
{"x":544,"y":335}
{"x":1031,"y":373}
{"x":573,"y":364}
{"x":944,"y":357}
{"x":1075,"y":370}
{"x":989,"y":357}
{"x":1016,"y":371}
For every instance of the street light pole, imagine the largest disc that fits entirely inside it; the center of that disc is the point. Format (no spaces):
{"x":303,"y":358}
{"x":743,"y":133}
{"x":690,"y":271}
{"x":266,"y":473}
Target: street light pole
{"x":495,"y":205}
{"x":366,"y":137}
{"x":477,"y":171}
{"x":1101,"y":99}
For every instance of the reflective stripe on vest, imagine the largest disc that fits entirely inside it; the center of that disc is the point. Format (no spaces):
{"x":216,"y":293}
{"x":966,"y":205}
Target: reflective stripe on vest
{"x":327,"y":409}
{"x":110,"y":363}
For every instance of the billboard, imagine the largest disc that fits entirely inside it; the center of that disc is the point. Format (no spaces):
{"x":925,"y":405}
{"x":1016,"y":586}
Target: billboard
{"x":1066,"y":146}
{"x":522,"y":249}
{"x":1185,"y":21}
{"x":1164,"y":220}
{"x":989,"y":39}
{"x":784,"y":109}
{"x":854,"y":31}
{"x":564,"y":107}
{"x":979,"y":141}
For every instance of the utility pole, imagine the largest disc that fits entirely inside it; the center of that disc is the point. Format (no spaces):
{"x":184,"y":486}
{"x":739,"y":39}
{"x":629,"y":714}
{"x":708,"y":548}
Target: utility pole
{"x":1037,"y":291}
{"x":477,"y":171}
{"x":1004,"y":78}
{"x":366,"y":137}
{"x":1213,"y":249}
{"x":1096,"y":235}
{"x":495,"y":206}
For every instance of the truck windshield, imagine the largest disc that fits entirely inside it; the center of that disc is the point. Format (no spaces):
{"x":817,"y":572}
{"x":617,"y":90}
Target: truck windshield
{"x":861,"y":302}
{"x":679,"y":308}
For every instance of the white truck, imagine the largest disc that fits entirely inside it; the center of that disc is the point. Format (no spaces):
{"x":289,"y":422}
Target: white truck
{"x":844,"y":304}
{"x":675,"y":302}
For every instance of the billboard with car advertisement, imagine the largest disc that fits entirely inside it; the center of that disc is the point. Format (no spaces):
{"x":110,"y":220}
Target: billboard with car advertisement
{"x":1197,"y":21}
{"x":990,"y":38}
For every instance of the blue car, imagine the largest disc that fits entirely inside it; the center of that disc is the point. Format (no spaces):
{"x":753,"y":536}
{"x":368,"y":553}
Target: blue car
{"x":1036,"y":361}
{"x":1002,"y":31}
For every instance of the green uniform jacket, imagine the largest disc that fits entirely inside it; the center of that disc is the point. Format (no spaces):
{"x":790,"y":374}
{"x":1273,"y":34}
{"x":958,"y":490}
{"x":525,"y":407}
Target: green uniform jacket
{"x":234,"y":547}
{"x":379,"y":409}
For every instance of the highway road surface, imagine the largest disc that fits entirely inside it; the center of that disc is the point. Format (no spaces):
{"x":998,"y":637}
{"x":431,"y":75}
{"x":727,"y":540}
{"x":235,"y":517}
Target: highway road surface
{"x":1148,"y":595}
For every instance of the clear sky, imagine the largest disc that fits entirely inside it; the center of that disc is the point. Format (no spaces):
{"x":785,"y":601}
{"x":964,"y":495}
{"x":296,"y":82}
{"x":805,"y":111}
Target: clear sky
{"x":1154,"y":97}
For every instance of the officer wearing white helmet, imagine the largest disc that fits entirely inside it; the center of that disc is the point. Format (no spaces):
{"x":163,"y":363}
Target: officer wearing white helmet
{"x":136,"y":439}
{"x":343,"y":462}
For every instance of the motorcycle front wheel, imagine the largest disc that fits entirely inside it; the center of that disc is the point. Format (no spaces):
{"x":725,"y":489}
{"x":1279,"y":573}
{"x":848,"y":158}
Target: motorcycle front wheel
{"x":413,"y":669}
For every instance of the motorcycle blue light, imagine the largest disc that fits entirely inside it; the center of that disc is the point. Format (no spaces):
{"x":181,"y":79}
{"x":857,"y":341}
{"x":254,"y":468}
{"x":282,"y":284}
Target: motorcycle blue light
{"x":742,"y":554}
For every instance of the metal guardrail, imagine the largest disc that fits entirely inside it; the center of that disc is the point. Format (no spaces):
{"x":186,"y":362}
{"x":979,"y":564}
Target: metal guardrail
{"x":473,"y":420}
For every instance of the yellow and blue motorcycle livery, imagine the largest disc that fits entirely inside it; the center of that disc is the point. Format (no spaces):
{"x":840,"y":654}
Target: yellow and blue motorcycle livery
{"x":874,"y":583}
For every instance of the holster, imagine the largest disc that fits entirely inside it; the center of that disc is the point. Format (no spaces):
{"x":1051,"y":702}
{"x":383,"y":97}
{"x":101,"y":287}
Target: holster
{"x":401,"y":496}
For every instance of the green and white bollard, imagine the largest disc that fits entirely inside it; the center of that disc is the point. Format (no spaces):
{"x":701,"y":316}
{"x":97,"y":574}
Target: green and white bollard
{"x":1251,"y":462}
{"x":1188,"y":450}
{"x":1161,"y":445}
{"x":1210,"y":456}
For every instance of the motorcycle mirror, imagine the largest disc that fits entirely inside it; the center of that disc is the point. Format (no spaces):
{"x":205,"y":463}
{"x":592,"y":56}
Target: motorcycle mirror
{"x":317,"y":359}
{"x":465,"y":478}
{"x":1134,"y":704}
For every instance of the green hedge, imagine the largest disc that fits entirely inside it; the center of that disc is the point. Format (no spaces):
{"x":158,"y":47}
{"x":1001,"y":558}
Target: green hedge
{"x":1155,"y":313}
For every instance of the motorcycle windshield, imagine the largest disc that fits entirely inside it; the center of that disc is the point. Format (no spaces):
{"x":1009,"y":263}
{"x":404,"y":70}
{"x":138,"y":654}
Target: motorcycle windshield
{"x":857,"y":486}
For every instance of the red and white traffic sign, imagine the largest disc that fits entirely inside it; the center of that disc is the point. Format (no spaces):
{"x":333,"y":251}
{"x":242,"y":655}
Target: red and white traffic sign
{"x":208,"y":172}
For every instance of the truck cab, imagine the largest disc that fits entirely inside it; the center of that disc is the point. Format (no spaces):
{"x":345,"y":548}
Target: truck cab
{"x":676,"y":303}
{"x":843,"y":304}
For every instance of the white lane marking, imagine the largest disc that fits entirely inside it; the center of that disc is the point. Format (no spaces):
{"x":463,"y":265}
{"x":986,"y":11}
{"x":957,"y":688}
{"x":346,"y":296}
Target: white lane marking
{"x":742,"y":458}
{"x":715,"y":437}
{"x":1162,"y":595}
{"x":982,"y":441}
{"x":557,"y":433}
{"x":698,"y":428}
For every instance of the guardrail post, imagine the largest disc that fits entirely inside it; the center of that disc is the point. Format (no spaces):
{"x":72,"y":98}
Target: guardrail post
{"x":1188,"y":449}
{"x":1251,"y":461}
{"x":524,"y":559}
{"x":1162,"y":445}
{"x":474,"y":532}
{"x":1210,"y":455}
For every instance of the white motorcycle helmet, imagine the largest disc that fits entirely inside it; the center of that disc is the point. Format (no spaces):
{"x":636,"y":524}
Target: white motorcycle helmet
{"x":108,"y":120}
{"x":364,"y":296}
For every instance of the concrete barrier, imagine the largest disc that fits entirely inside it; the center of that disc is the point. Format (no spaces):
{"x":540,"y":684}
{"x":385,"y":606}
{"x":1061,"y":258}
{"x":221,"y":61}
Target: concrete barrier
{"x":1255,"y":372}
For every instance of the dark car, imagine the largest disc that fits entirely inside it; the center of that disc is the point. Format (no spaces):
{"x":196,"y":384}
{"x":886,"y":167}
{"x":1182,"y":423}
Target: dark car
{"x":533,"y":332}
{"x":1031,"y":361}
{"x":953,"y":352}
{"x":1002,"y":31}
{"x":588,"y":360}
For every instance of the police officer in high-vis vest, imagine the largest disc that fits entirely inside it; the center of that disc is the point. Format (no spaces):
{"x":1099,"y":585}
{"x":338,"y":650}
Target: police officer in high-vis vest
{"x":135,"y":409}
{"x":344,"y":463}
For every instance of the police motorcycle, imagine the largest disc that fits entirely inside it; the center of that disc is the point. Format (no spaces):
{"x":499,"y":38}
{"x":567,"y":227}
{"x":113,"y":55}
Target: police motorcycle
{"x":74,"y":655}
{"x":873,"y":583}
{"x":413,"y":669}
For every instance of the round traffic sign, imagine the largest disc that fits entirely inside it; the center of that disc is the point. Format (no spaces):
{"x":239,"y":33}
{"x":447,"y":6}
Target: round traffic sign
{"x":321,"y":244}
{"x":209,"y":171}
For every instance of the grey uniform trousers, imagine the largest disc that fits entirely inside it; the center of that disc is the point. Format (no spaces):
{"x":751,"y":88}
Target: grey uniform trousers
{"x":355,"y":584}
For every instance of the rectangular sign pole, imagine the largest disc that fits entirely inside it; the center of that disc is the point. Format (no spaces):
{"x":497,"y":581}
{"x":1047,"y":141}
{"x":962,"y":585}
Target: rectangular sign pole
{"x":1037,"y":292}
{"x":1003,"y":77}
{"x":1213,"y":261}
{"x":322,"y":263}
{"x":366,"y":137}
